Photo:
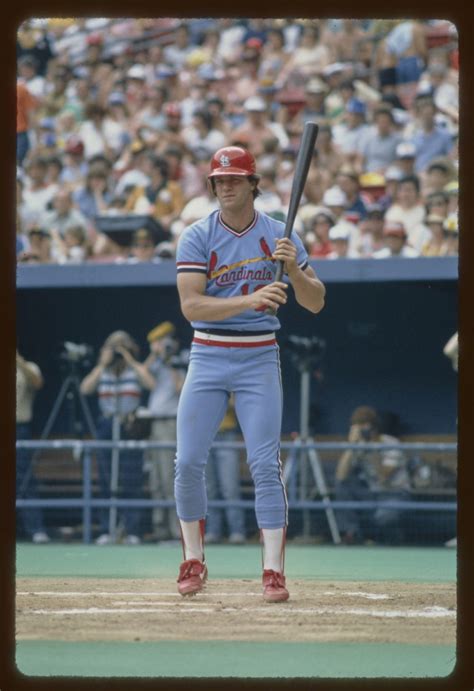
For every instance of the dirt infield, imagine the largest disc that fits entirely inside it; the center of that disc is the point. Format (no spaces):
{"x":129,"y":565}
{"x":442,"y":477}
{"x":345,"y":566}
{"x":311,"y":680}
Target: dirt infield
{"x":152,"y":610}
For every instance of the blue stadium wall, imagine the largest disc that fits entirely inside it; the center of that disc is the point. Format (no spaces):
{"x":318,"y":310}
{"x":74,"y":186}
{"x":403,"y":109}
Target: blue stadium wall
{"x":384,"y":325}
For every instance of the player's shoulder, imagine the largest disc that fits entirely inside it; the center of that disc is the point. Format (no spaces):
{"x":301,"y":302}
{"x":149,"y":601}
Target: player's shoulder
{"x":274,"y":225}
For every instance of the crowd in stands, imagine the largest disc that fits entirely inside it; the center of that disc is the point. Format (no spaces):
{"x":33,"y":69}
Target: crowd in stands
{"x":117,"y":120}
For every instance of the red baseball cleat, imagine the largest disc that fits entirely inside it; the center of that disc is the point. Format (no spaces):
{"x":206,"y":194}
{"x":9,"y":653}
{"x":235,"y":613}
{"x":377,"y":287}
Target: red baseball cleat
{"x":192,"y":574}
{"x":274,"y":589}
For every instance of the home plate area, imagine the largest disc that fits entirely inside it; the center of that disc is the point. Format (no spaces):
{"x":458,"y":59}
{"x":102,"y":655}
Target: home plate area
{"x":151,"y":609}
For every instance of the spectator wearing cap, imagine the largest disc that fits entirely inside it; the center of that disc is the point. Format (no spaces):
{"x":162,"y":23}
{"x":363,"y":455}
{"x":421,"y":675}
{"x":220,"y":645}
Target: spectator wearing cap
{"x":315,"y":92}
{"x":136,"y":88}
{"x":257,"y":127}
{"x":348,"y":180}
{"x":430,"y":140}
{"x":371,"y":231}
{"x":336,"y":200}
{"x":391,"y":180}
{"x":117,"y":122}
{"x":201,"y":134}
{"x":408,"y":209}
{"x":435,"y":246}
{"x":405,"y":156}
{"x":349,"y":136}
{"x":395,"y":242}
{"x":378,"y":149}
{"x":171,"y":134}
{"x":340,"y":235}
{"x":75,"y":167}
{"x":162,"y":198}
{"x":317,"y":238}
{"x":451,"y":234}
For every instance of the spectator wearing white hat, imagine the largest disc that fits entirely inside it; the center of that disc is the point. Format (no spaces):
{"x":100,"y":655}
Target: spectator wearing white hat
{"x":336,"y":200}
{"x":340,"y":235}
{"x":396,"y":237}
{"x":257,"y":127}
{"x":405,"y":155}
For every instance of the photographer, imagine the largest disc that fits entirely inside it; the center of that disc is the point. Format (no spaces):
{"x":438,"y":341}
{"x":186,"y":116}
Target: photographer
{"x":119,"y":381}
{"x":162,"y":405}
{"x":365,"y":475}
{"x":28,"y":381}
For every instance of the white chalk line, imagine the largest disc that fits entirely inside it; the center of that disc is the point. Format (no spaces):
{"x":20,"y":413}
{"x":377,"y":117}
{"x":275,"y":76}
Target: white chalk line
{"x":285,"y":610}
{"x":50,"y":593}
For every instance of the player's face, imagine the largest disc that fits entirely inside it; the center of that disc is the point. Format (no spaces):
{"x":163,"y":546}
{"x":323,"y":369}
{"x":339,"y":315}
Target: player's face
{"x":234,"y":192}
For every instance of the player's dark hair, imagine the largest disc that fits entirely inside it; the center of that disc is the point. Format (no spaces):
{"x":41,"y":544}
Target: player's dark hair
{"x":251,"y":178}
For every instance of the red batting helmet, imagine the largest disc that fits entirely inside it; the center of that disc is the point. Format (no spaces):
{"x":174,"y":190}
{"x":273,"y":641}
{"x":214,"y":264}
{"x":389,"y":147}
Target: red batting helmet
{"x":232,"y":160}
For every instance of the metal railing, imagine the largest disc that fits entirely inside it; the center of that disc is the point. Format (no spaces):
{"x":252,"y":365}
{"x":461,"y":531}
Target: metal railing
{"x":82,"y":450}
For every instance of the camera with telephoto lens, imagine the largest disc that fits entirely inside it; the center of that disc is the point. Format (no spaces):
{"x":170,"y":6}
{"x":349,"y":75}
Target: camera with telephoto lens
{"x":365,"y":433}
{"x":76,"y":354}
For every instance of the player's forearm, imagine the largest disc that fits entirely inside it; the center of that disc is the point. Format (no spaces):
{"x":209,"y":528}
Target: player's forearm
{"x":206,"y":308}
{"x":309,"y":291}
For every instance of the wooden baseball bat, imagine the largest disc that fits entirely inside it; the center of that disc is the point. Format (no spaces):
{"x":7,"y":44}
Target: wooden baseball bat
{"x":303,"y":161}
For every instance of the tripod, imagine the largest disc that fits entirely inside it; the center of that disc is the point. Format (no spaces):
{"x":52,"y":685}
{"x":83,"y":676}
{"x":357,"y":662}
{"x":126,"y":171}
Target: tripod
{"x":304,"y":359}
{"x":70,"y":392}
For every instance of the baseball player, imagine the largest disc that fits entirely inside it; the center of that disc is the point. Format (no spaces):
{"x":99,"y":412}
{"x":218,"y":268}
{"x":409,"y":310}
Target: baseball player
{"x":226,"y":265}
